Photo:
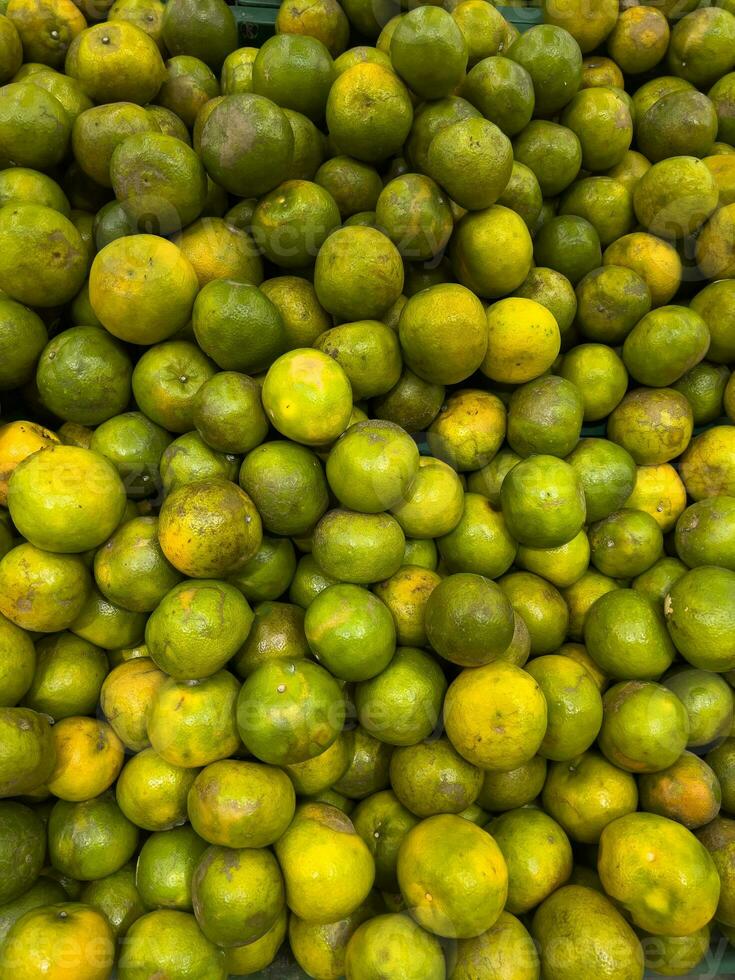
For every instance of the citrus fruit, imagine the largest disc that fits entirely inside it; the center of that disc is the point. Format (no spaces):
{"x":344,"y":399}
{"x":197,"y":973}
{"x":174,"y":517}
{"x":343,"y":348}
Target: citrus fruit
{"x":354,"y":185}
{"x":369,"y":111}
{"x":134,"y":445}
{"x":68,"y":676}
{"x":116,"y":62}
{"x":220,"y":311}
{"x":189,"y":84}
{"x":236,"y":894}
{"x":428,"y":36}
{"x":169,"y":939}
{"x":552,"y":152}
{"x":515,"y":698}
{"x":654,"y":425}
{"x":227,"y":138}
{"x":291,"y":223}
{"x":358,"y":548}
{"x":570,"y":245}
{"x":178,"y":850}
{"x":448,"y":894}
{"x":603,"y":201}
{"x":368,"y":770}
{"x":578,"y":926}
{"x":325,"y":20}
{"x":197,"y":627}
{"x":471,"y":145}
{"x":645,"y":727}
{"x":685,"y":902}
{"x":206,"y":30}
{"x":687,"y":792}
{"x":394,"y":942}
{"x":420,"y":775}
{"x":507,"y":940}
{"x":42,"y":591}
{"x":261,"y":952}
{"x":468,"y":620}
{"x":159,"y":180}
{"x":656,"y":581}
{"x":130,"y":568}
{"x":75,"y":367}
{"x":701,"y":46}
{"x":22,"y":851}
{"x":59,"y":938}
{"x":502,"y":232}
{"x":655,"y":261}
{"x":294,"y":697}
{"x":91,"y":839}
{"x":240,"y":804}
{"x":507,"y":789}
{"x":192,"y":723}
{"x":19,"y":663}
{"x":705,"y":386}
{"x":433,"y":504}
{"x":639,"y":39}
{"x":702,"y":633}
{"x":553,"y":58}
{"x":134,"y":304}
{"x":22,"y":338}
{"x":430,"y":326}
{"x":522,"y":194}
{"x":523,"y":340}
{"x":351,"y":632}
{"x":702,"y":536}
{"x":537,"y":490}
{"x":545,"y":417}
{"x":27,"y":755}
{"x":32,"y":231}
{"x":327,"y":867}
{"x":574,"y":706}
{"x":402,"y":704}
{"x":537,"y":852}
{"x":228,"y":413}
{"x":626,"y":637}
{"x":611,"y":301}
{"x":98,"y":131}
{"x":600,"y":377}
{"x":145,"y":14}
{"x":209,"y":528}
{"x":706,"y":466}
{"x":675,"y":121}
{"x":626,"y":542}
{"x":265,"y":473}
{"x":24,"y":184}
{"x":125,"y":699}
{"x":152,"y":792}
{"x":34,"y":127}
{"x":372,"y":466}
{"x":307,"y":397}
{"x":89,"y":756}
{"x":317,"y":775}
{"x":358,"y":273}
{"x":12,"y":48}
{"x":369,"y":353}
{"x":18,"y":440}
{"x":587,"y":793}
{"x":406,"y":594}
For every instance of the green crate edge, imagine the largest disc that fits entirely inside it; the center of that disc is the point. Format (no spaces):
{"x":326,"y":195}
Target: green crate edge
{"x":256,"y":21}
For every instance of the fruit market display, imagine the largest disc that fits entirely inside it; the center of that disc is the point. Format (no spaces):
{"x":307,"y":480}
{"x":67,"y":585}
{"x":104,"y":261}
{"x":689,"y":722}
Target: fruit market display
{"x":367,"y":491}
